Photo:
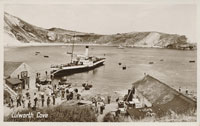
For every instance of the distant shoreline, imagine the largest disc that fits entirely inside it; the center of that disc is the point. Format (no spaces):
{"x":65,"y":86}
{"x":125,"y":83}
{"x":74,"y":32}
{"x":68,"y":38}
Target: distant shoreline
{"x":70,"y":44}
{"x":52,"y":44}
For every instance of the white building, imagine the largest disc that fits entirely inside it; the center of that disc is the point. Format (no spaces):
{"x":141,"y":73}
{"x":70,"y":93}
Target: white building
{"x":18,"y":76}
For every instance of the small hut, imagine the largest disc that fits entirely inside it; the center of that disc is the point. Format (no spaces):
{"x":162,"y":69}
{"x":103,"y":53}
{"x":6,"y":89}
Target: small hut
{"x":161,"y":98}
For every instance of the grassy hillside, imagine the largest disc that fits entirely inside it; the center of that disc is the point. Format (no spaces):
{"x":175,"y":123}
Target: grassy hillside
{"x":27,"y":33}
{"x":173,"y":117}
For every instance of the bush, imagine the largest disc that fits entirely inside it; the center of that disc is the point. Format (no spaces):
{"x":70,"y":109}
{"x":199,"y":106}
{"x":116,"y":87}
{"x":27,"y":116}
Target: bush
{"x":170,"y":117}
{"x":59,"y":114}
{"x":109,"y":117}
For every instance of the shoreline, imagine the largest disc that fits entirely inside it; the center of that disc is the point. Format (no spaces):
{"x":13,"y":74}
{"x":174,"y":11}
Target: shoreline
{"x":89,"y":44}
{"x":100,"y":45}
{"x":53,"y":44}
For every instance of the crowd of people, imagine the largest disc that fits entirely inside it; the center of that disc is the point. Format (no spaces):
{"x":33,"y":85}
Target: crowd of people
{"x":47,"y":95}
{"x":51,"y":94}
{"x":31,"y":102}
{"x":43,"y":99}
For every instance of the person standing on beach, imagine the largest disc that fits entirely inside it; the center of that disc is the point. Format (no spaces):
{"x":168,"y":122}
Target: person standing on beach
{"x":102,"y":107}
{"x":67,"y":94}
{"x":42,"y":97}
{"x":46,"y":75}
{"x":186,"y":91}
{"x":71,"y":95}
{"x":35,"y":99}
{"x":94,"y":101}
{"x":63,"y":93}
{"x":11,"y":102}
{"x":39,"y":86}
{"x":29,"y":104}
{"x":48,"y":101}
{"x":18,"y":101}
{"x":78,"y":96}
{"x":27,"y":94}
{"x":56,"y":92}
{"x":109,"y":98}
{"x":55,"y":86}
{"x":49,"y":91}
{"x":54,"y":99}
{"x":51,"y":76}
{"x":23,"y":101}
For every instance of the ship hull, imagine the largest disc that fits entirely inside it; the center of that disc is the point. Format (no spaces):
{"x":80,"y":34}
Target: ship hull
{"x":66,"y":72}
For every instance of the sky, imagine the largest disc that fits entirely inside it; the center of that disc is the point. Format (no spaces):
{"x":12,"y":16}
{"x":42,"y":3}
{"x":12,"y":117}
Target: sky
{"x":111,"y":18}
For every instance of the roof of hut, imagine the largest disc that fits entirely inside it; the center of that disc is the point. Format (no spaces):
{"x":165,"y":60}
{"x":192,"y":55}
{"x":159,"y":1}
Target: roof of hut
{"x":163,"y":96}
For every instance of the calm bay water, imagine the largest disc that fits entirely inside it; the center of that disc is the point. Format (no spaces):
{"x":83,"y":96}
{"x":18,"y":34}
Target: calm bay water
{"x":175,"y":69}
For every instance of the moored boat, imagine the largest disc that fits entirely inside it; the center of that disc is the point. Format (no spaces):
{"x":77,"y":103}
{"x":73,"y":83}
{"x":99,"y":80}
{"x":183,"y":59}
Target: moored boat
{"x":192,"y":61}
{"x":82,"y":63}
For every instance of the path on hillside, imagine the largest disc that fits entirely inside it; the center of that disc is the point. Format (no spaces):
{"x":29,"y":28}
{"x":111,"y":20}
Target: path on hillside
{"x":108,"y":108}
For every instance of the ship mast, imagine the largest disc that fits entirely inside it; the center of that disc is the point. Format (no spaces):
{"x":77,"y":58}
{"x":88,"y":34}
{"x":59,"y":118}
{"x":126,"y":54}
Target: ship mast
{"x":73,"y":38}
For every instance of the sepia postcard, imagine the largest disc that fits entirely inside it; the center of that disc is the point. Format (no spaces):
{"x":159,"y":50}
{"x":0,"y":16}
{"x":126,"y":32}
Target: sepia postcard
{"x":118,"y":63}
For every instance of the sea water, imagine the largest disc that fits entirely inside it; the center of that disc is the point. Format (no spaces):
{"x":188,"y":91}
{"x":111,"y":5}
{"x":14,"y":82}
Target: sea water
{"x":169,"y":66}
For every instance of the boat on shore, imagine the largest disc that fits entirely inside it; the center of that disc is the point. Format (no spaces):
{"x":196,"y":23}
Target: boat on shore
{"x":81,"y":63}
